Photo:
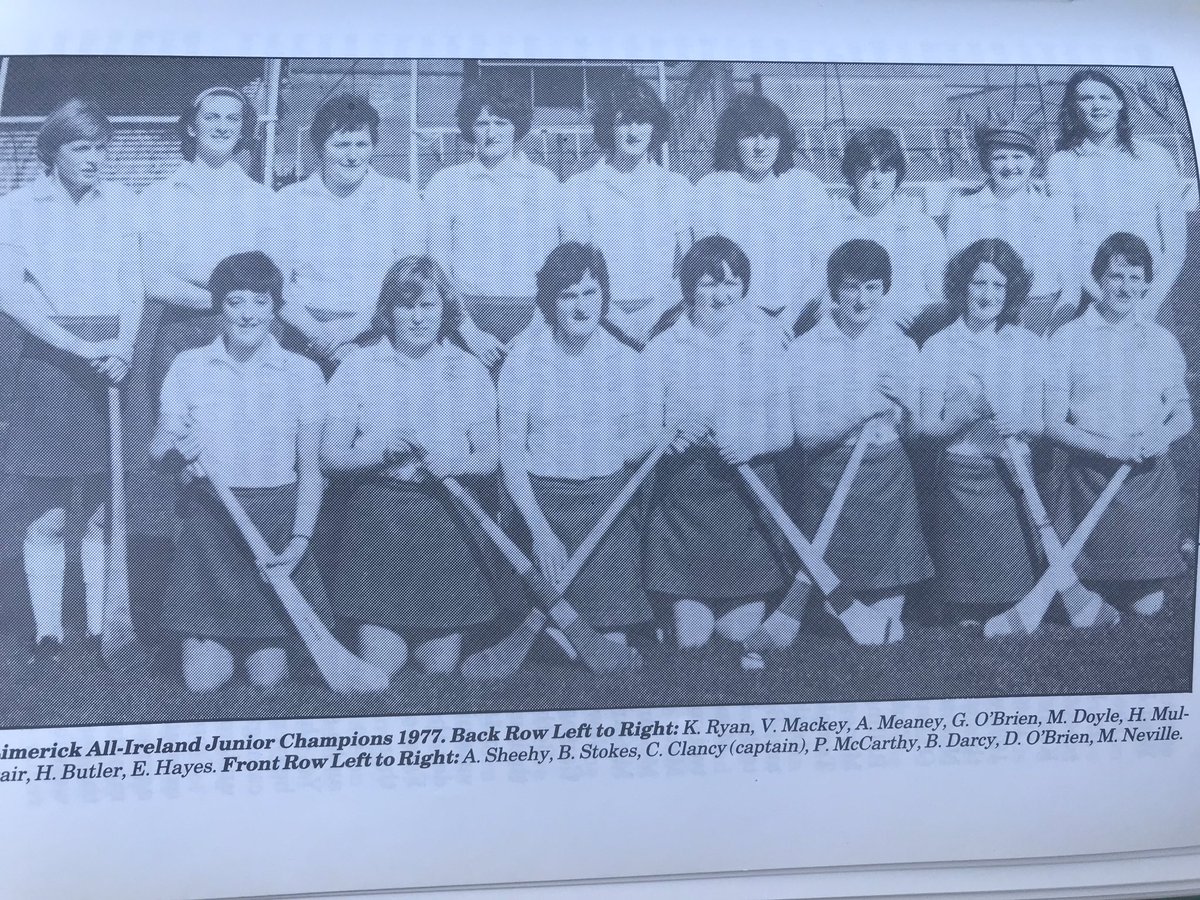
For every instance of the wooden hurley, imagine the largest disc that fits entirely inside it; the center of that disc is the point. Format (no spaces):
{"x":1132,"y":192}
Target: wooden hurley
{"x":342,"y":670}
{"x":118,"y":640}
{"x":502,"y":660}
{"x":796,"y":599}
{"x":818,"y":569}
{"x":1027,"y":614}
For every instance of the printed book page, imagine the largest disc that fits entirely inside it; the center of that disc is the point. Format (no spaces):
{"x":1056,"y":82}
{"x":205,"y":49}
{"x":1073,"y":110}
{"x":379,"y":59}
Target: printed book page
{"x":727,"y":451}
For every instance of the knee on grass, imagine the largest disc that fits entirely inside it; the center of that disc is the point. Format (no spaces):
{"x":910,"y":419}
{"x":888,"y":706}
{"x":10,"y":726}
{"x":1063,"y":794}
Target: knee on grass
{"x":737,"y":624}
{"x":267,"y":667}
{"x":206,"y":665}
{"x":694,"y":624}
{"x":382,"y":648}
{"x":439,"y":655}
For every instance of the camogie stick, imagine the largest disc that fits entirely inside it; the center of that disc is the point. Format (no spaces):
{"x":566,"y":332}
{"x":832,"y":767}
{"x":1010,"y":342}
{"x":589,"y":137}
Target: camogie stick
{"x":588,"y":545}
{"x":597,"y":652}
{"x":817,"y":568}
{"x":118,"y":640}
{"x":794,"y":602}
{"x":1027,"y":614}
{"x":342,"y":670}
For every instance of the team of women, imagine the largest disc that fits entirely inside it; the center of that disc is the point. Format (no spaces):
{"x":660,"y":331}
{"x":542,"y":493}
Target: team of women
{"x":339,"y":352}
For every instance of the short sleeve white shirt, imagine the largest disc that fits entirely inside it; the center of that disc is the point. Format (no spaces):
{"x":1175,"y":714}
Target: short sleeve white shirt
{"x":439,"y":398}
{"x":832,"y":376}
{"x":246,"y":415}
{"x":1118,"y":379}
{"x":912,"y":239}
{"x":776,"y":221}
{"x":502,"y":223}
{"x":1040,"y":228}
{"x":640,"y":220}
{"x":337,"y":249}
{"x":74,"y":251}
{"x":1009,"y":365}
{"x":205,"y":215}
{"x":581,"y":412}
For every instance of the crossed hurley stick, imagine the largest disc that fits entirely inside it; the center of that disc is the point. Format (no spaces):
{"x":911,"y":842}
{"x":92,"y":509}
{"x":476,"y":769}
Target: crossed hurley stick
{"x":781,"y":627}
{"x":1060,"y":576}
{"x":597,"y":652}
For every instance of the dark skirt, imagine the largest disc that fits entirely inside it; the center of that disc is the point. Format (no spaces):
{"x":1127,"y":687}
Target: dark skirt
{"x":407,"y":562}
{"x":983,"y":550}
{"x":1139,"y":537}
{"x":59,"y":422}
{"x":706,"y":539}
{"x":504,"y":317}
{"x":878,"y":544}
{"x":608,"y":592}
{"x":216,"y":590}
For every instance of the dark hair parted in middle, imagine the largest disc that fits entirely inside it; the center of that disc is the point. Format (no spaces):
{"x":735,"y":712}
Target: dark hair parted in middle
{"x":869,"y":147}
{"x":709,"y":256}
{"x":861,"y":260}
{"x":500,"y":96}
{"x":1134,"y":250}
{"x":960,"y":271}
{"x":565,"y":267}
{"x":187,"y":120}
{"x":250,"y":271}
{"x":345,"y":112}
{"x":403,"y":285}
{"x":630,"y":100}
{"x":1072,"y":130}
{"x":749,"y":115}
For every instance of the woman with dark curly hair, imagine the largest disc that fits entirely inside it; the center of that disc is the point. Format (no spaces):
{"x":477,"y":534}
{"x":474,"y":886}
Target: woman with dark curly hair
{"x":982,"y":381}
{"x":636,"y":212}
{"x":1116,"y":182}
{"x":759,"y":199}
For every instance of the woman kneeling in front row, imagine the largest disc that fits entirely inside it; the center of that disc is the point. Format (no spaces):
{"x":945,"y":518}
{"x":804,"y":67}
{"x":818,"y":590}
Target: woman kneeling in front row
{"x":404,"y":411}
{"x":248,"y":413}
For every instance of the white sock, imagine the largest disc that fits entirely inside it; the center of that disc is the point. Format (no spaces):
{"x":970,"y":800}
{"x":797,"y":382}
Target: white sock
{"x":93,"y":554}
{"x":45,"y":568}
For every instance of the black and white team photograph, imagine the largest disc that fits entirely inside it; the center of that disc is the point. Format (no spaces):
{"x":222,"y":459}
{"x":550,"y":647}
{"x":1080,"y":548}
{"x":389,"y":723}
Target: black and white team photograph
{"x":384,"y":387}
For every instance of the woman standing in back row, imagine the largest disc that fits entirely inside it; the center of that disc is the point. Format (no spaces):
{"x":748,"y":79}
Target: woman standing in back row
{"x":773,"y":210}
{"x":636,"y":212}
{"x":1115,"y":182}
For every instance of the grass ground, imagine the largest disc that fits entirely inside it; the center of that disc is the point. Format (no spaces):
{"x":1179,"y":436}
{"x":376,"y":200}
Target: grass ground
{"x":1143,"y":656}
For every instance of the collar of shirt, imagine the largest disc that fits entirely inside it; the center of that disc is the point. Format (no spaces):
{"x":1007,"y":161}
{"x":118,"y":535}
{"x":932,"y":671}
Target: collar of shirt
{"x":827,"y":331}
{"x":897,"y":212}
{"x":601,"y":349}
{"x":1029,"y":197}
{"x":960,"y":332}
{"x":624,"y":182}
{"x":199,"y":177}
{"x":1088,"y":148}
{"x":314,"y":186}
{"x":515,"y":165}
{"x":1093,"y":321}
{"x":440,"y":363}
{"x":48,"y":189}
{"x":268,"y":355}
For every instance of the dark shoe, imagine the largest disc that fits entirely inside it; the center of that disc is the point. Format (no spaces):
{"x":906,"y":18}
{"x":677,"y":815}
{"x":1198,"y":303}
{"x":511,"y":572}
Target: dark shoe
{"x":46,"y":651}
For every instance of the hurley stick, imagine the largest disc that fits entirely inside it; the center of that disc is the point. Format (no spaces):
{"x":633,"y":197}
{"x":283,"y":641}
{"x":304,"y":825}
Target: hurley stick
{"x":785,"y":620}
{"x":590,"y":541}
{"x":817,"y":568}
{"x":1027,"y":614}
{"x":597,"y":652}
{"x":118,"y":640}
{"x":342,"y":670}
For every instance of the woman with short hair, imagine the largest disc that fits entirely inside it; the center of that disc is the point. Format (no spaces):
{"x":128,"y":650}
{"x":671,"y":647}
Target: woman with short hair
{"x":406,"y":409}
{"x":635,"y":211}
{"x":874,"y":166}
{"x":493,"y":220}
{"x":71,"y":278}
{"x":1010,"y":206}
{"x":757,"y":197}
{"x":718,"y":382}
{"x":573,"y":418}
{"x":339,"y":231}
